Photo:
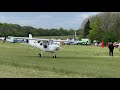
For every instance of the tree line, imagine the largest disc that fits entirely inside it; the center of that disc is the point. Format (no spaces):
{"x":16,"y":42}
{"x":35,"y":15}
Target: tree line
{"x":102,"y":27}
{"x":17,"y":30}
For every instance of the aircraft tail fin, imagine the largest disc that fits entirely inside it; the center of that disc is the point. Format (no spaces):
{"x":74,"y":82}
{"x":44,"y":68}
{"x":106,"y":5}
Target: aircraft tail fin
{"x":31,"y":42}
{"x":30,"y":36}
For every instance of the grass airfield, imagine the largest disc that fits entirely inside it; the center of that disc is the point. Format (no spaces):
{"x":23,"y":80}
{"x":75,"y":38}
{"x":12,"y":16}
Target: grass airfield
{"x":74,"y":61}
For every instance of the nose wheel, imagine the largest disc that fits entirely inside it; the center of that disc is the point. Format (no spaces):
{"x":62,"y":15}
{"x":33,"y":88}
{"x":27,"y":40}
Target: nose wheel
{"x":40,"y":54}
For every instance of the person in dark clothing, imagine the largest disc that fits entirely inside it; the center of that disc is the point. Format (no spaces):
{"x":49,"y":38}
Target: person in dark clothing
{"x":4,"y":40}
{"x":111,"y":48}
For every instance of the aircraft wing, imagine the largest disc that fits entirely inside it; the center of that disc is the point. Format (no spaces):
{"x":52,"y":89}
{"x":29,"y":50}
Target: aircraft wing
{"x":17,"y":37}
{"x":37,"y":39}
{"x":60,"y":40}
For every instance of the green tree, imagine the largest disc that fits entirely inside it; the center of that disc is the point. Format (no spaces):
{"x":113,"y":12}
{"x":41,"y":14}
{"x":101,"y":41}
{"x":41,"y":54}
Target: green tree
{"x":94,"y":33}
{"x":87,"y":28}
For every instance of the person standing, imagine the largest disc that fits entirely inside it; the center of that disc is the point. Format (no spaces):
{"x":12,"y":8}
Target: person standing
{"x":111,"y":48}
{"x":4,"y":40}
{"x":102,"y":44}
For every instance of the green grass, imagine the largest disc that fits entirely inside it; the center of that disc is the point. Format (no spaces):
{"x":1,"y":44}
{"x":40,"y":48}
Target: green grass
{"x":74,"y":61}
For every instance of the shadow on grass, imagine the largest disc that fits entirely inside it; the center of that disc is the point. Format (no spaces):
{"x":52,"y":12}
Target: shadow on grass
{"x":67,"y":57}
{"x":60,"y":57}
{"x":70,"y":57}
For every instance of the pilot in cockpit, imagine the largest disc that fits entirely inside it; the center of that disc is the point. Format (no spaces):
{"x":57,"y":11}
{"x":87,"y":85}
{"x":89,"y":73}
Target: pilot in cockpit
{"x":45,"y":44}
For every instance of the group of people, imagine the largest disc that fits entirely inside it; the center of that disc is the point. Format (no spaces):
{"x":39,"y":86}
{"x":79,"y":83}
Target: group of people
{"x":110,"y":46}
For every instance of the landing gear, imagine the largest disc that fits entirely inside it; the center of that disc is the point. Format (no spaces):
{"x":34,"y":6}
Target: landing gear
{"x":54,"y":55}
{"x":39,"y":54}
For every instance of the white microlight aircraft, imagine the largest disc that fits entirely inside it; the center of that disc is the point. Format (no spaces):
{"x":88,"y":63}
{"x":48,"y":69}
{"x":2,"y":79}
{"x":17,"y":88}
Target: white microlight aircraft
{"x":46,"y":45}
{"x":13,"y":39}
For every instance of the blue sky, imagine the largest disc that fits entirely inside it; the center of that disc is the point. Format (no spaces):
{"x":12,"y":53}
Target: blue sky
{"x":46,"y":20}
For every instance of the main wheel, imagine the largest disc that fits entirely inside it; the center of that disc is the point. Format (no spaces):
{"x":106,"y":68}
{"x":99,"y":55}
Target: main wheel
{"x":39,"y":55}
{"x":55,"y":56}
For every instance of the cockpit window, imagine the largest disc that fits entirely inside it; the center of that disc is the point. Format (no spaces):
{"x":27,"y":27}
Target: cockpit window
{"x":40,"y":43}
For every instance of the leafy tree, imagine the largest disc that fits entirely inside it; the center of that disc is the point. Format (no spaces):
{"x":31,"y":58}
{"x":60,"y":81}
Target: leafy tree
{"x":94,"y":32}
{"x":104,"y":27}
{"x":87,"y":28}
